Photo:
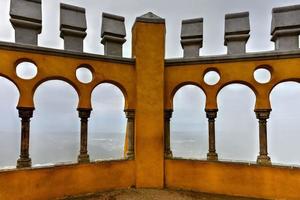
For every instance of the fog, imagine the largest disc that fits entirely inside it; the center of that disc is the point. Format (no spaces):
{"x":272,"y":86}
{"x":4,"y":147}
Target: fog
{"x":55,"y":125}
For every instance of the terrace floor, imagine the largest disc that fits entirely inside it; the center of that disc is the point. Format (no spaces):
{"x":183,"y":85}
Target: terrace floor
{"x":153,"y":194}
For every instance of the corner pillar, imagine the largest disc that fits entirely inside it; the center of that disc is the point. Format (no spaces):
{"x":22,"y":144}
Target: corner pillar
{"x":130,"y":115}
{"x":25,"y":114}
{"x":262,"y":115}
{"x":84,"y":114}
{"x":149,"y":51}
{"x":168,"y":151}
{"x":211,"y":115}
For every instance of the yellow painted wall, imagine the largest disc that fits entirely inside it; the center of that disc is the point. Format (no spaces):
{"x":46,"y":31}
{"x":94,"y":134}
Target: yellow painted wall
{"x":273,"y":182}
{"x":52,"y":182}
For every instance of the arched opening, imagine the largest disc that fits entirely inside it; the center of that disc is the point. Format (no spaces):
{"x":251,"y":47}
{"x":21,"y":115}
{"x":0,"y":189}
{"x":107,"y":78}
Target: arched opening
{"x":107,"y":123}
{"x":10,"y":125}
{"x":55,"y":124}
{"x":283,"y":126}
{"x":189,"y":134}
{"x":237,"y":135}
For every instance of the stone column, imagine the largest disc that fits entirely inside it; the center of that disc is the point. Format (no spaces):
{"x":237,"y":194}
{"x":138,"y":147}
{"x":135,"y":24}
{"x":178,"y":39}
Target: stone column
{"x":25,"y":114}
{"x":84,"y":114}
{"x":211,"y":115}
{"x":130,"y":114}
{"x":168,"y":115}
{"x":262,"y":115}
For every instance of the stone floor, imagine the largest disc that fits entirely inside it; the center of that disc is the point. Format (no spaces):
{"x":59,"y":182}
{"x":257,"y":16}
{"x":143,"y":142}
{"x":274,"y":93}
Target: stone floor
{"x":152,"y":194}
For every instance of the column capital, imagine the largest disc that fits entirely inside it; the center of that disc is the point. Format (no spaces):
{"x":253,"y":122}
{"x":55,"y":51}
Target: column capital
{"x":168,"y":113}
{"x":25,"y":112}
{"x":84,"y":112}
{"x":130,"y":113}
{"x":262,"y":114}
{"x":211,"y":113}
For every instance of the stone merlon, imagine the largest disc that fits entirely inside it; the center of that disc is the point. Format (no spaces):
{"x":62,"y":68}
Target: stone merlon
{"x":286,"y":27}
{"x":26,"y":19}
{"x":237,"y":28}
{"x":113,"y":34}
{"x":72,"y":26}
{"x":191,"y":37}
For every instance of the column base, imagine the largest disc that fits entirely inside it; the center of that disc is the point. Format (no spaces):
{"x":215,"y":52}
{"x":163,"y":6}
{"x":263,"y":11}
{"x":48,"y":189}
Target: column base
{"x":263,"y":160}
{"x":24,"y":162}
{"x":130,"y":155}
{"x":85,"y":158}
{"x":212,"y":156}
{"x":168,"y":154}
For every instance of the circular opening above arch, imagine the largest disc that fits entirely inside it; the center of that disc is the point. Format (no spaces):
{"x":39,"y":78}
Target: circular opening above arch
{"x":26,"y":70}
{"x":84,"y":75}
{"x":262,"y":75}
{"x":211,"y":77}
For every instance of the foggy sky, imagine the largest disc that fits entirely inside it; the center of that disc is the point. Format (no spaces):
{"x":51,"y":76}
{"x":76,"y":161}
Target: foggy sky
{"x":236,"y":125}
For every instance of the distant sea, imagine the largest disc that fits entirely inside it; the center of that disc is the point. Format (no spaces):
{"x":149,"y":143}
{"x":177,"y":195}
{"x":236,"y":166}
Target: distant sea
{"x":55,"y":148}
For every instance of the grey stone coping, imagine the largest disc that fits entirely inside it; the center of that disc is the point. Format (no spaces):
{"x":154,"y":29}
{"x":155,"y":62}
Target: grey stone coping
{"x":113,"y":25}
{"x":26,"y":10}
{"x":64,"y":53}
{"x":265,"y":55}
{"x":232,"y":162}
{"x":150,"y":18}
{"x":63,"y":165}
{"x":286,"y":17}
{"x":192,"y":28}
{"x":237,"y":23}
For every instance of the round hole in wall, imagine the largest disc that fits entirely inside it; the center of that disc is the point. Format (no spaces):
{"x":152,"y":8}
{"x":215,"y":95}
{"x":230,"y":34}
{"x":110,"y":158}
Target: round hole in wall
{"x":262,"y":75}
{"x":26,"y":70}
{"x":211,"y":77}
{"x":84,"y":75}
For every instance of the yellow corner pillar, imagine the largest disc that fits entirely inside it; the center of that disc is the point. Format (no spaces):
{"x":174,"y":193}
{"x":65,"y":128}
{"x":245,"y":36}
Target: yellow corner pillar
{"x":148,"y":45}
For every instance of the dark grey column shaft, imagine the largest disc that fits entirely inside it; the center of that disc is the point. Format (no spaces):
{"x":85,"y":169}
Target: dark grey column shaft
{"x":130,"y":114}
{"x":84,"y":114}
{"x":25,"y":114}
{"x":262,"y":116}
{"x":211,"y":114}
{"x":168,"y":151}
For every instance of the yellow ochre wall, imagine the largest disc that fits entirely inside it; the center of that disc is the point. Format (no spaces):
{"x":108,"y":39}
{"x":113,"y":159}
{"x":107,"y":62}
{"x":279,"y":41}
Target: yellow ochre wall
{"x":148,"y":83}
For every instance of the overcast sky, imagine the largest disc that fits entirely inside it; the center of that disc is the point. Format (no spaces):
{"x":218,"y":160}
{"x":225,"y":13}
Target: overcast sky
{"x":237,"y":135}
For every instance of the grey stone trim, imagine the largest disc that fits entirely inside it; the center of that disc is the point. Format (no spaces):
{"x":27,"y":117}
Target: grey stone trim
{"x":191,"y":37}
{"x":266,"y":55}
{"x":63,"y":53}
{"x":150,"y":18}
{"x":237,"y":28}
{"x":286,"y":27}
{"x":26,"y":19}
{"x":72,"y":27}
{"x":113,"y":34}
